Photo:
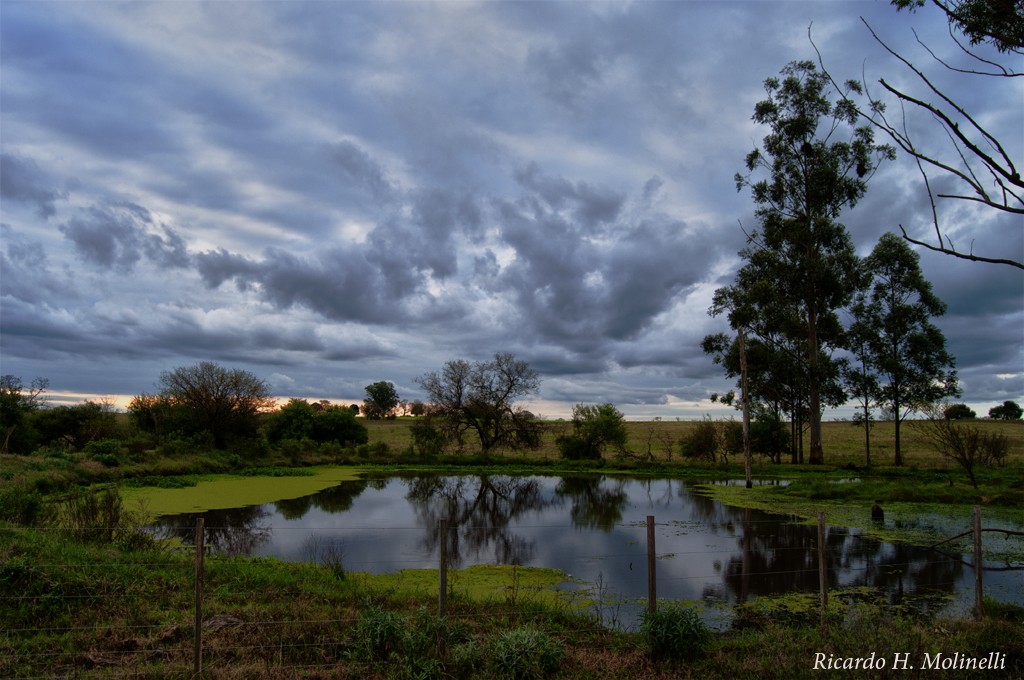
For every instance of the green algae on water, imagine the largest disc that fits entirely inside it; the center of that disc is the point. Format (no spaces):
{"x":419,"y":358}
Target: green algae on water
{"x":222,"y":491}
{"x":922,"y":524}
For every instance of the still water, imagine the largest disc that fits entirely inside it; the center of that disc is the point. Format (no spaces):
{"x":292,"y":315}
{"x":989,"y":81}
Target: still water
{"x":593,"y":528}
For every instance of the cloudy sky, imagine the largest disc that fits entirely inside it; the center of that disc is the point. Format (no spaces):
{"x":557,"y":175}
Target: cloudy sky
{"x":333,"y":193}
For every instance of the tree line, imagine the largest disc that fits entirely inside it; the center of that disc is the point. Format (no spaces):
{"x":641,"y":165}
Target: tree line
{"x":474,"y":406}
{"x":814,"y":325}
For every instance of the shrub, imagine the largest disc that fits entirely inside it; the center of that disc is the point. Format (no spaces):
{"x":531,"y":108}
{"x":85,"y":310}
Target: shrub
{"x":769,"y":435}
{"x":337,"y":424}
{"x":93,"y":516}
{"x":573,"y":448}
{"x":967,"y":446}
{"x":292,"y":421}
{"x":525,"y":653}
{"x":994,"y":447}
{"x":594,"y":429}
{"x":24,"y":506}
{"x":104,"y":448}
{"x":701,"y":443}
{"x":332,"y":450}
{"x":76,"y":425}
{"x":298,"y":420}
{"x":732,"y":437}
{"x":294,"y":449}
{"x":674,"y":632}
{"x":100,"y":517}
{"x":427,"y":439}
{"x":374,"y":450}
{"x":182,"y":445}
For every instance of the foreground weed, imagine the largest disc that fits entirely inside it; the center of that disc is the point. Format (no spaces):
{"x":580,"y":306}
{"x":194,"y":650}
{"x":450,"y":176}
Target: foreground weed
{"x":379,"y":634}
{"x":525,"y":653}
{"x":675,"y":632}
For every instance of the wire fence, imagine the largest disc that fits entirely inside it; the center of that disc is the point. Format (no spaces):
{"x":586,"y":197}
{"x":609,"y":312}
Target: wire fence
{"x":217,"y":612}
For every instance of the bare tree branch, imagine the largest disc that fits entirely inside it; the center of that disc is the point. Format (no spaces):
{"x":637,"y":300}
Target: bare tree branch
{"x":972,"y":143}
{"x":956,"y":253}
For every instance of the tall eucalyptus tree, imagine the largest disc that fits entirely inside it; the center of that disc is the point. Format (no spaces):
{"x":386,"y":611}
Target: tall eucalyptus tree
{"x":906,"y":350}
{"x":802,"y":266}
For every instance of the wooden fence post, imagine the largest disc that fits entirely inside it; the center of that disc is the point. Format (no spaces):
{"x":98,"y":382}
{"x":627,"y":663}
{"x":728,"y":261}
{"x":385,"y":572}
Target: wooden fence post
{"x":652,"y":572}
{"x":442,"y":570}
{"x":197,"y":652}
{"x":979,"y":593}
{"x":822,"y":569}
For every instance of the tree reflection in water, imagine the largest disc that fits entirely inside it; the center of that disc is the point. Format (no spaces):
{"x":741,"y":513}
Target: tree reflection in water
{"x":337,"y":499}
{"x":479,"y":511}
{"x":236,"y":531}
{"x":597,"y":502}
{"x":780,"y":557}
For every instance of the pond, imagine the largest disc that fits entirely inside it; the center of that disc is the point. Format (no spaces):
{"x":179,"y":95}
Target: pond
{"x":594,"y":529}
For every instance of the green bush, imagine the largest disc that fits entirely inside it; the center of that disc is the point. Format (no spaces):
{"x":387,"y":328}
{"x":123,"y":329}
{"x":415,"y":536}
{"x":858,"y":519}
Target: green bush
{"x":375,"y":450}
{"x":24,"y":506}
{"x":107,"y":459}
{"x":427,"y":439}
{"x":594,"y":428}
{"x":299,"y":420}
{"x":573,"y":447}
{"x":701,"y":443}
{"x":674,"y":632}
{"x":178,"y":444}
{"x":296,"y":448}
{"x":77,"y":425}
{"x":107,"y":451}
{"x":104,"y":447}
{"x":162,"y":481}
{"x":93,"y":516}
{"x":525,"y":653}
{"x":732,"y":437}
{"x":994,"y":447}
{"x":100,"y":517}
{"x":769,"y":435}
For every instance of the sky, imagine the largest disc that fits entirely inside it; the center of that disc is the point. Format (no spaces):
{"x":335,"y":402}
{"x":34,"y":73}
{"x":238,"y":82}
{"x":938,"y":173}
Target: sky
{"x":328,"y":194}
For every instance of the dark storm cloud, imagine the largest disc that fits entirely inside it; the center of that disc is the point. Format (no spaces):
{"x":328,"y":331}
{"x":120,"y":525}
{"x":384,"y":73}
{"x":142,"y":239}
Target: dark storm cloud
{"x":356,"y":167}
{"x":581,"y":276}
{"x":565,"y":72}
{"x":22,"y":180}
{"x":118,"y":236}
{"x":589,"y":204}
{"x":338,"y":283}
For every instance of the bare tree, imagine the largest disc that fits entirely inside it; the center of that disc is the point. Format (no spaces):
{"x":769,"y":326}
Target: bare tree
{"x":482,"y":397}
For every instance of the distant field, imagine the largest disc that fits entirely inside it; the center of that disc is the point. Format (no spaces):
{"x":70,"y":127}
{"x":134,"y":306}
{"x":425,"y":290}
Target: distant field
{"x":843,"y":442}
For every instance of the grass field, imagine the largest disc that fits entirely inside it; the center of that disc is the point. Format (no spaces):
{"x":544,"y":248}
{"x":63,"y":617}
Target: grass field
{"x":843,"y":442}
